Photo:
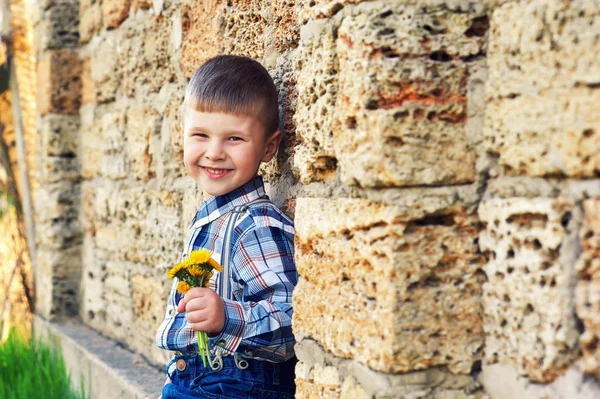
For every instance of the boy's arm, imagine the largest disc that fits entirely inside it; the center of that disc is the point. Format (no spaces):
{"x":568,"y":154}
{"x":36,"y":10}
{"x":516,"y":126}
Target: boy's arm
{"x":260,"y":326}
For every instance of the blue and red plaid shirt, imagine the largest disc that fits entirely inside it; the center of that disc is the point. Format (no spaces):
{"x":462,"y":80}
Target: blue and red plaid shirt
{"x":258,"y":320}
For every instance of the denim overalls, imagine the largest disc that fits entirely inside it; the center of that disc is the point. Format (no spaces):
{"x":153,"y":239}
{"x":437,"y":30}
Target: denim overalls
{"x":230,"y":377}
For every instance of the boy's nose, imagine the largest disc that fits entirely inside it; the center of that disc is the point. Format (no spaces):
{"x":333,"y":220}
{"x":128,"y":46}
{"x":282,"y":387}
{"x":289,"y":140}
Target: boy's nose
{"x":214,"y":151}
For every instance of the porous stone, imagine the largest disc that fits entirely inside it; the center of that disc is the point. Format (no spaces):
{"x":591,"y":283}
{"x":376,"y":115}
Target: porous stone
{"x":385,"y":287}
{"x":243,"y":28}
{"x":60,"y":135}
{"x":529,"y":310}
{"x":316,"y":68}
{"x":90,"y":16}
{"x":59,"y":27}
{"x":587,"y":293}
{"x":142,"y":135}
{"x":172,"y":139}
{"x":56,"y":200}
{"x":542,"y":91}
{"x":285,"y":18}
{"x":141,"y":4}
{"x":57,"y":275}
{"x":91,"y":144}
{"x":114,"y":161}
{"x":118,"y":293}
{"x":55,"y":169}
{"x":114,"y":12}
{"x":104,"y":66}
{"x":59,"y":82}
{"x":324,"y":8}
{"x":401,"y":109}
{"x":144,"y":62}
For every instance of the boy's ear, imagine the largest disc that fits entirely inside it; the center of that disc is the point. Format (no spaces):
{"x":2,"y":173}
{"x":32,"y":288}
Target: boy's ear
{"x":272,"y":146}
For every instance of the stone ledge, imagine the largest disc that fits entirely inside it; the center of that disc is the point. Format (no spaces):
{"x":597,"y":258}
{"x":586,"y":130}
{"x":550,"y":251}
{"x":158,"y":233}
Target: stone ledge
{"x":107,"y":370}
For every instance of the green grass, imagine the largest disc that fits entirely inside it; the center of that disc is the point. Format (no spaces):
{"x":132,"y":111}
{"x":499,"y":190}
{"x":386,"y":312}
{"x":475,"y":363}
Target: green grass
{"x":33,"y":370}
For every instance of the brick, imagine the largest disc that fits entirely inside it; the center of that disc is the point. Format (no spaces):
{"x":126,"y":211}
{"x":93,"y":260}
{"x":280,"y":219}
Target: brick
{"x":90,"y":21}
{"x":59,"y":26}
{"x":393,"y":290}
{"x":402,"y":105}
{"x":142,"y":135}
{"x":587,"y":292}
{"x":60,"y":135}
{"x":541,"y":117}
{"x":528,"y":306}
{"x":59,"y":82}
{"x":114,"y":12}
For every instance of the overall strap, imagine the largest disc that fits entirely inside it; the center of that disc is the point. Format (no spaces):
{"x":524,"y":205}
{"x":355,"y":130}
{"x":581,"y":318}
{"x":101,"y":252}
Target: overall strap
{"x":224,"y":289}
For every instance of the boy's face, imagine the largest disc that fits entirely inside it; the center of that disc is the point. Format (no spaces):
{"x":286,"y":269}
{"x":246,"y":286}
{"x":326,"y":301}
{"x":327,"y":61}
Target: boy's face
{"x":222,"y":152}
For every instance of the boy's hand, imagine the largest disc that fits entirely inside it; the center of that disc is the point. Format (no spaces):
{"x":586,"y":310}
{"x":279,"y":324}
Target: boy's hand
{"x":205,"y":311}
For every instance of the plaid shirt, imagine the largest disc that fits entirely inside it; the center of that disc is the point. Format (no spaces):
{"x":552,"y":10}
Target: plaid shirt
{"x":258,"y":321}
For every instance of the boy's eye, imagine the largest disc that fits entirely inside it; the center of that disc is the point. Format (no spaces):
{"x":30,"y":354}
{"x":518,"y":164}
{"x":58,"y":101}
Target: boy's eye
{"x":199,"y":135}
{"x":235,"y":138}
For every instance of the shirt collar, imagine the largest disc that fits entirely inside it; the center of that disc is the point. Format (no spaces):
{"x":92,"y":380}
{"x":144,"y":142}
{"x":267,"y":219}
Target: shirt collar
{"x":215,"y":207}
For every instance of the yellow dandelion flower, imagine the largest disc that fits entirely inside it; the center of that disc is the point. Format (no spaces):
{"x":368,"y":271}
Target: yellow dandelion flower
{"x":175,"y":269}
{"x":183,"y":287}
{"x":215,"y":265}
{"x":196,"y":271}
{"x":199,"y":257}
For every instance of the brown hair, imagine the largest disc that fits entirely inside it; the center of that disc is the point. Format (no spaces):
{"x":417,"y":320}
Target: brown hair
{"x":234,"y":85}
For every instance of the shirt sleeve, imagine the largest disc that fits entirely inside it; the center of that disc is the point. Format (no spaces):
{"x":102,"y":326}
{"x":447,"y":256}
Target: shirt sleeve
{"x":259,"y":324}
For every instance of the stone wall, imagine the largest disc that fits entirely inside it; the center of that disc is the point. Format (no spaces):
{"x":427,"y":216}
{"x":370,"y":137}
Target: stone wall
{"x":441,"y":162}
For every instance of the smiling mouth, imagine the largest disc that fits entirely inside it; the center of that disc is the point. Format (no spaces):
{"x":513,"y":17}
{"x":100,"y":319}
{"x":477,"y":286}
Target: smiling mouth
{"x":214,"y":172}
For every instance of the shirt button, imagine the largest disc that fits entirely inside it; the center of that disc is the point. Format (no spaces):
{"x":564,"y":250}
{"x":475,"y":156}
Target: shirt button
{"x":248,"y":352}
{"x":181,"y":365}
{"x":221,"y":343}
{"x":172,"y":312}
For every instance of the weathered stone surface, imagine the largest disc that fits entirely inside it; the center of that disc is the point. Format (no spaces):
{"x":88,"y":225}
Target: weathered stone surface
{"x":316,"y":69}
{"x":91,"y":143}
{"x":114,"y":12}
{"x":393,"y":291}
{"x":215,"y":27}
{"x":324,"y":8}
{"x":285,"y":18}
{"x":114,"y":161}
{"x":528,"y":303}
{"x":90,"y":16}
{"x":60,"y":135}
{"x":104,"y":64}
{"x":56,"y":200}
{"x":55,"y":169}
{"x":587,"y":293}
{"x":59,"y":26}
{"x":141,"y":4}
{"x":57,"y":275}
{"x":402,"y":102}
{"x":118,"y":293}
{"x":542,"y":117}
{"x":59,"y":82}
{"x":88,"y":89}
{"x":144,"y":58}
{"x":172,"y":139}
{"x":142,"y":135}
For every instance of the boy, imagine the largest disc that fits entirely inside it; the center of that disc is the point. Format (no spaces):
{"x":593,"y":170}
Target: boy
{"x":230,"y":123}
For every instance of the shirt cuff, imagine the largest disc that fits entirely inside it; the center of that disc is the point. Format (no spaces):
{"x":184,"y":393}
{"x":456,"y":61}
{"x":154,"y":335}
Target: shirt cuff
{"x":231,"y":336}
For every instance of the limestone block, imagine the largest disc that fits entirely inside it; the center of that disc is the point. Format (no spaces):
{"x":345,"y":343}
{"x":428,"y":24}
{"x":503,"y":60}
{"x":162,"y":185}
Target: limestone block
{"x":285,"y":17}
{"x":93,"y":303}
{"x":114,"y":12}
{"x":402,"y":105}
{"x":528,"y":300}
{"x":391,"y":290}
{"x":142,"y":135}
{"x":144,"y":56}
{"x":587,"y":293}
{"x":59,"y":233}
{"x":55,"y":169}
{"x":118,"y":293}
{"x":60,"y":135}
{"x":215,"y":27}
{"x":172,"y":139}
{"x":59,"y":82}
{"x":59,"y":26}
{"x":104,"y":66}
{"x":57,"y":275}
{"x":316,"y":69}
{"x":201,"y":34}
{"x":88,"y":89}
{"x":114,"y":161}
{"x":90,"y":20}
{"x":141,"y":4}
{"x":56,"y":200}
{"x":541,"y":117}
